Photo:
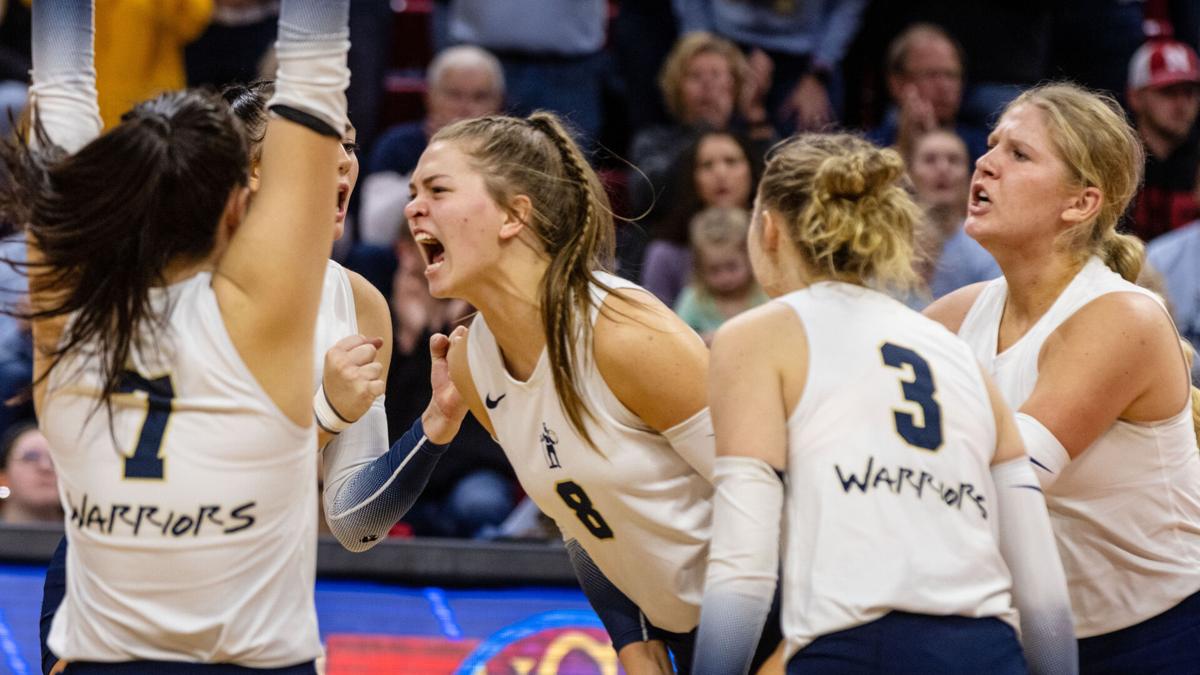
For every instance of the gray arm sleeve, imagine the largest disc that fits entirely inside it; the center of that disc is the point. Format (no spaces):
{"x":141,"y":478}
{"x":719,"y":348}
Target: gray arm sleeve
{"x":743,"y":565}
{"x":64,"y":76}
{"x":369,"y":486}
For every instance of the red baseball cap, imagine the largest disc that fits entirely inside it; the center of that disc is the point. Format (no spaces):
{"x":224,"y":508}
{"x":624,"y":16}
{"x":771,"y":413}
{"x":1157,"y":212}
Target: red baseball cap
{"x":1159,"y":63}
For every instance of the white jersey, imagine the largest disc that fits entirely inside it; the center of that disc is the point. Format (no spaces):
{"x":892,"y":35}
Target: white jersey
{"x":640,"y":511}
{"x":194,"y":537}
{"x":336,"y":318}
{"x":1126,"y":511}
{"x":890,"y":501}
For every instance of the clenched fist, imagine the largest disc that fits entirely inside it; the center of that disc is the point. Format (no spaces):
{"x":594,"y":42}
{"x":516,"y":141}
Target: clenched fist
{"x":352,"y":377}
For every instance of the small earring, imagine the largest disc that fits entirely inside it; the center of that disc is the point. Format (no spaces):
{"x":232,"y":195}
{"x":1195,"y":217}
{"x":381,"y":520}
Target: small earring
{"x":4,"y":492}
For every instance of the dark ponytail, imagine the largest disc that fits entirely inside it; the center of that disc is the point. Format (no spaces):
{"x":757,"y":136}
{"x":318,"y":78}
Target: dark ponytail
{"x":249,"y":104}
{"x":108,"y":220}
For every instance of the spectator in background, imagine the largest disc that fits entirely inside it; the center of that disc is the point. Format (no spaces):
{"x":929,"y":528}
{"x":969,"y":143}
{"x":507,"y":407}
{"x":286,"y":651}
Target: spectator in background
{"x":472,"y":489}
{"x":234,"y":44}
{"x":707,"y":85}
{"x":722,"y":284}
{"x":925,"y":79}
{"x":1175,"y":256}
{"x":14,"y":61}
{"x":947,"y":258}
{"x":1164,"y":96}
{"x":552,"y":53}
{"x":720,"y":168}
{"x":28,"y":488}
{"x":463,"y":82}
{"x":805,"y":43}
{"x":1174,"y":261}
{"x":139,"y":49}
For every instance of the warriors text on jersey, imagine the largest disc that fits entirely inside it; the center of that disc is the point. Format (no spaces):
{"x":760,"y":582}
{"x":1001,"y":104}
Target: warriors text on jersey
{"x":193,"y":537}
{"x":890,"y":501}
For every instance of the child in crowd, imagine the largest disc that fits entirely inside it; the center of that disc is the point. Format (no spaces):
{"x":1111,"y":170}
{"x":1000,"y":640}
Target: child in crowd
{"x":722,"y":283}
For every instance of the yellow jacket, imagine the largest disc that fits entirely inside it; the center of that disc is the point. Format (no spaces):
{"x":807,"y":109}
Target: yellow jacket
{"x":139,"y":49}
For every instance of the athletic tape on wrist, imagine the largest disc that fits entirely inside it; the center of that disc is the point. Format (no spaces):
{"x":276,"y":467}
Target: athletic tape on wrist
{"x":328,"y":418}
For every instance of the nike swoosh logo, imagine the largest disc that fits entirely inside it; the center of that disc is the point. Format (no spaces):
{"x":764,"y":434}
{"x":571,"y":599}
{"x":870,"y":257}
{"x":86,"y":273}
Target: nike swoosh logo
{"x":491,"y":403}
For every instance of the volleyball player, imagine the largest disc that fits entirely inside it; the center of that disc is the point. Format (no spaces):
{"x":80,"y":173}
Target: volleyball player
{"x":901,"y":460}
{"x":368,"y":486}
{"x":163,"y":329}
{"x":594,"y":389}
{"x":1093,"y":366}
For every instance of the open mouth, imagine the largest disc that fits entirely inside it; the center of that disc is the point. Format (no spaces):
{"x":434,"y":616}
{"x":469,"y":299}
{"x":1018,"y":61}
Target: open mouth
{"x":979,"y":196}
{"x":343,"y":198}
{"x":432,"y":250}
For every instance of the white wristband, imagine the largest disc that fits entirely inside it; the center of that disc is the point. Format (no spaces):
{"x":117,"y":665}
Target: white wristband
{"x":328,"y":418}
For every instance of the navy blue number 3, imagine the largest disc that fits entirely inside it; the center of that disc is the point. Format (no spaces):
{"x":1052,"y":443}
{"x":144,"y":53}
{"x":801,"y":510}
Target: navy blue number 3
{"x":919,"y":390}
{"x":145,"y":461}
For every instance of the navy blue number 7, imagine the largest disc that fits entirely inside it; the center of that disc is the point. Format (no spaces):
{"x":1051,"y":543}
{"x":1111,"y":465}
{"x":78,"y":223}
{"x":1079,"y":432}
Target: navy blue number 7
{"x":145,"y":461}
{"x":919,"y":390}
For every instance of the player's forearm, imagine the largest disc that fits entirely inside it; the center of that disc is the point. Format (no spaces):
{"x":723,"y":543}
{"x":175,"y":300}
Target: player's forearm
{"x":365,"y":498}
{"x":63,"y":94}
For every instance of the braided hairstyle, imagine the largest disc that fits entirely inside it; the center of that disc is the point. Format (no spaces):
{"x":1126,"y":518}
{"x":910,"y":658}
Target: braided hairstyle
{"x":571,"y":215}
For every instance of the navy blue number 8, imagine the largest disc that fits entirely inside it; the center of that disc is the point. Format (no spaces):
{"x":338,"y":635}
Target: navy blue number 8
{"x":578,"y":501}
{"x":145,"y":461}
{"x":919,"y":390}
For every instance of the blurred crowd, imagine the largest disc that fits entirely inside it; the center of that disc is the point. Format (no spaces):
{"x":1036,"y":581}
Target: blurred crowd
{"x":679,"y":102}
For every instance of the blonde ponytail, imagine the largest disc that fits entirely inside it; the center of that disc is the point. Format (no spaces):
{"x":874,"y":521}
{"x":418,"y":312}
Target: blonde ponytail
{"x":1124,"y":254}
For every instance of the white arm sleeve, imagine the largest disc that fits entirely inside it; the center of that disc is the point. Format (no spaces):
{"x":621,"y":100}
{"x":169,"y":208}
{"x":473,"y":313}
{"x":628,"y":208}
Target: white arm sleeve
{"x":693,"y":439}
{"x":310,"y":84}
{"x":1039,"y":584}
{"x":63,"y":95}
{"x":743,"y":565}
{"x":1048,"y":456}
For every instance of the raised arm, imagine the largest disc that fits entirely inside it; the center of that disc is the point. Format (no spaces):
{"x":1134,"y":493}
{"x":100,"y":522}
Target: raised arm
{"x":63,"y":103}
{"x":268,"y":282}
{"x":368,"y":486}
{"x":63,"y":94}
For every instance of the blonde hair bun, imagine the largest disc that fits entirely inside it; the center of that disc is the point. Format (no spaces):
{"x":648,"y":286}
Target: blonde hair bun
{"x":863,"y":172}
{"x":843,"y":202}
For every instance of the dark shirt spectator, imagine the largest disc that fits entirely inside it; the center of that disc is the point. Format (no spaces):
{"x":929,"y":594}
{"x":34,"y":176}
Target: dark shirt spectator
{"x":233,"y":46}
{"x":925,"y":79}
{"x":719,"y":169}
{"x":463,"y":82}
{"x":707,"y":85}
{"x":1164,"y":95}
